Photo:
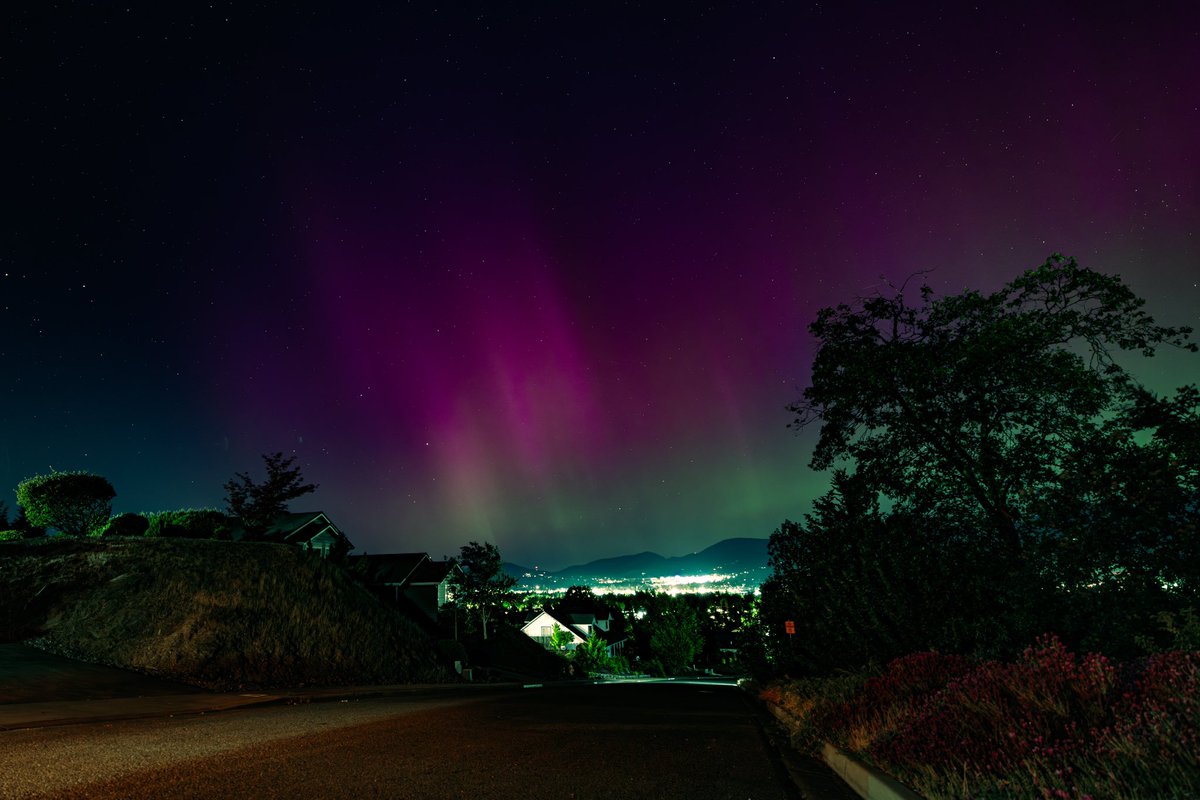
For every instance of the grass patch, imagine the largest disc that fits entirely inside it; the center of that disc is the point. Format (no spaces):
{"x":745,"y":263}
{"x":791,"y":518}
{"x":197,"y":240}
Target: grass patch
{"x":212,"y":613}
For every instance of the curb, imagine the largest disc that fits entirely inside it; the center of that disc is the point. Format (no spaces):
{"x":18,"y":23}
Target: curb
{"x":867,"y":782}
{"x":864,"y":779}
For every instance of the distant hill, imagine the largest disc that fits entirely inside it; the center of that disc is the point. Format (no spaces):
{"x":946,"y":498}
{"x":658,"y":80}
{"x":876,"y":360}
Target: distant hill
{"x":644,"y":563}
{"x":212,"y":613}
{"x":726,"y":556}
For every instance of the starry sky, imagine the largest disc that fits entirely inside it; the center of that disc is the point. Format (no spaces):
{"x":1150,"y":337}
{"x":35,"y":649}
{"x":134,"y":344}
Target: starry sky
{"x":540,"y":273}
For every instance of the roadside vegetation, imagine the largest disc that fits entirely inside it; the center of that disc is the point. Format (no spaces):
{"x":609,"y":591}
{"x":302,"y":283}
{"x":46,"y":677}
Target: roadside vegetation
{"x":1006,"y":492}
{"x":1046,"y":724}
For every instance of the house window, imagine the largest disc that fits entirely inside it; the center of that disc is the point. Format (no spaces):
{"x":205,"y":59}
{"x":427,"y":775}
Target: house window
{"x":547,"y":631}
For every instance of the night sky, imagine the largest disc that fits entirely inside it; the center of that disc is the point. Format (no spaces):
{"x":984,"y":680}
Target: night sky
{"x":540,"y":278}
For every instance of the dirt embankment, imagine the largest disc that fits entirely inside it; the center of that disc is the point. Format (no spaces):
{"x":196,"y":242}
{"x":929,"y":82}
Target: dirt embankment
{"x":216,"y":614}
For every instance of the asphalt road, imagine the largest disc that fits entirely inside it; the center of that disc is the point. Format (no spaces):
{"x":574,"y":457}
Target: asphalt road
{"x":624,"y":741}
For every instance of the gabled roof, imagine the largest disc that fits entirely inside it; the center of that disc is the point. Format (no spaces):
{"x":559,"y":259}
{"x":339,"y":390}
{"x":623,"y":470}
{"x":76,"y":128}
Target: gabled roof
{"x":563,"y":621}
{"x":300,"y":526}
{"x":577,"y":618}
{"x":390,"y":568}
{"x":293,"y":527}
{"x":585,"y":605}
{"x":432,"y":572}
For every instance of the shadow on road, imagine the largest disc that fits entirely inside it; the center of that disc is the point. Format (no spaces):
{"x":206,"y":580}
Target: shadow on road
{"x":28,"y":675}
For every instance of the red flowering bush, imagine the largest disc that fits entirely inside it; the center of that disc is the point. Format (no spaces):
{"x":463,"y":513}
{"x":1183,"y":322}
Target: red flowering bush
{"x":917,"y":674}
{"x":1050,"y":724}
{"x":991,"y":718}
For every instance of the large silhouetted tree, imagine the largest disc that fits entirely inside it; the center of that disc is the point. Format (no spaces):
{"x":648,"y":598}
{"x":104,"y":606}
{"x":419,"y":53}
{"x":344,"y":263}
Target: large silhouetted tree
{"x":482,"y":585}
{"x":972,"y":404}
{"x":999,"y":472}
{"x":257,"y":504}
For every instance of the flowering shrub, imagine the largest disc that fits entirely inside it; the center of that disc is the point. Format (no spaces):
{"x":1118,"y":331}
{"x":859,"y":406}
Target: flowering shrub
{"x":819,"y":705}
{"x":1050,"y":724}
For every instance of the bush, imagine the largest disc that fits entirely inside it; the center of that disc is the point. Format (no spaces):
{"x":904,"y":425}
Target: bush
{"x":1048,"y":724}
{"x":125,"y":525}
{"x":591,"y":656}
{"x":619,"y":665}
{"x":73,"y":503}
{"x":1182,"y":631}
{"x":11,"y":536}
{"x":654,"y":668}
{"x":189,"y":523}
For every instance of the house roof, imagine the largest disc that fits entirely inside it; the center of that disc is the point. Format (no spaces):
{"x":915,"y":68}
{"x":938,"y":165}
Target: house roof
{"x":293,"y":527}
{"x":391,"y":568}
{"x":571,"y":622}
{"x":299,"y":525}
{"x":430,"y":571}
{"x":614,"y":634}
{"x":562,"y":619}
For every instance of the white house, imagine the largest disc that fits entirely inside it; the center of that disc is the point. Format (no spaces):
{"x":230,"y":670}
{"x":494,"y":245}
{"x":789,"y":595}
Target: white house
{"x":580,"y":625}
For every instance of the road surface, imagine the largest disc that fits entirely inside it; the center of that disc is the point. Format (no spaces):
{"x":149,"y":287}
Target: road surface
{"x":625,"y":741}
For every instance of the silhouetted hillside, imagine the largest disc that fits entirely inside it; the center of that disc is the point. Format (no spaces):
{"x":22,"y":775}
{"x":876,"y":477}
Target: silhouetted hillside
{"x":728,"y":555}
{"x":646,"y":563}
{"x":217,"y":614}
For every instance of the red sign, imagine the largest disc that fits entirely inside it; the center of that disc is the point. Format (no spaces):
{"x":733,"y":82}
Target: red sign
{"x":790,"y":627}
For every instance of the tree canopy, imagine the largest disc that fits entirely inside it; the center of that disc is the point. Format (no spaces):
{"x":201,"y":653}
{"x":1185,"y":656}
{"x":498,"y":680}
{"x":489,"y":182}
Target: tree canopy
{"x":973,"y":403}
{"x":997,"y":473}
{"x":668,"y":633}
{"x":482,"y":585}
{"x":257,"y":504}
{"x":73,"y":503}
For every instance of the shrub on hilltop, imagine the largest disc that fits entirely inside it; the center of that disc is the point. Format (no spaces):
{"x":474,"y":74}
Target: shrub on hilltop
{"x":190,"y":523}
{"x":73,"y":503}
{"x":125,"y":525}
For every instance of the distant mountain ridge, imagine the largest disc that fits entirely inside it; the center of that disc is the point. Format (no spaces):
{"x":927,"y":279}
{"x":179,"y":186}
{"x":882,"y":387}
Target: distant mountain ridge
{"x":728,"y":555}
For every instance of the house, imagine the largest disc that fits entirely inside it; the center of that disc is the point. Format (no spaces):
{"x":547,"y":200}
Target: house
{"x":386,"y":574}
{"x":430,"y":585}
{"x":580,"y":625}
{"x":414,"y":577}
{"x":312,"y":530}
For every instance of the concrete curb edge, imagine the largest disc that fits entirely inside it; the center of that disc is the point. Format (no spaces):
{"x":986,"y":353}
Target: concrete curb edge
{"x":867,"y":782}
